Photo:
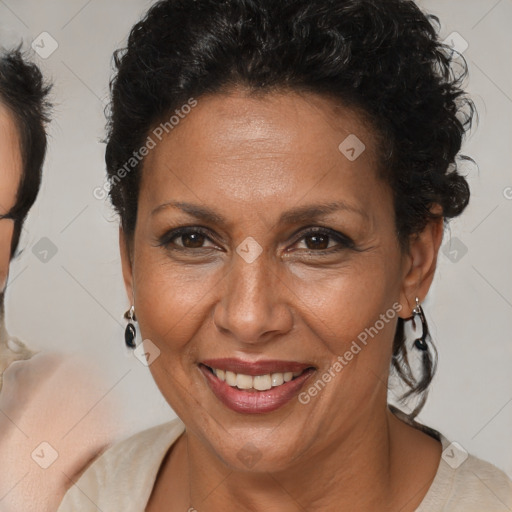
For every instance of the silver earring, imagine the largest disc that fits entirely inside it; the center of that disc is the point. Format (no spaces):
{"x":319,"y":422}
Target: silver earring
{"x":130,"y":332}
{"x":421,"y":342}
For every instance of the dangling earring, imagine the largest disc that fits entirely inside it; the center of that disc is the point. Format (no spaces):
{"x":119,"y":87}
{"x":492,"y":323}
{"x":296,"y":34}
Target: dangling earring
{"x":421,"y":342}
{"x":130,"y":332}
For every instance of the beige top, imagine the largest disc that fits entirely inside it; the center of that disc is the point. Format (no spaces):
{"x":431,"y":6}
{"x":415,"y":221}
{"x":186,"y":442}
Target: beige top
{"x":123,"y":478}
{"x":53,"y":422}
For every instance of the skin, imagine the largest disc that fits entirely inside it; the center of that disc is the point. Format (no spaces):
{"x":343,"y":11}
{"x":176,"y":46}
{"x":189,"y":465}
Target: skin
{"x":250,"y":159}
{"x":10,"y":174}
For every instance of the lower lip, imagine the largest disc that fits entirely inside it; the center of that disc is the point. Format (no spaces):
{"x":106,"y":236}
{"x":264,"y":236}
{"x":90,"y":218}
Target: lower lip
{"x":254,"y":402}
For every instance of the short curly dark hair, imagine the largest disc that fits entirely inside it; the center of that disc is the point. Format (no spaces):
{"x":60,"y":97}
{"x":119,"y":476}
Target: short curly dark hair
{"x":24,"y":92}
{"x":380,"y":57}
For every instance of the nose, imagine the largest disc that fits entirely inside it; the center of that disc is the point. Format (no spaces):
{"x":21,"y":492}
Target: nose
{"x":253,"y":307}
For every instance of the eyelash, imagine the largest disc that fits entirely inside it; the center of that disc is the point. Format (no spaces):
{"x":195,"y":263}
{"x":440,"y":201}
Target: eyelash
{"x":343,"y":241}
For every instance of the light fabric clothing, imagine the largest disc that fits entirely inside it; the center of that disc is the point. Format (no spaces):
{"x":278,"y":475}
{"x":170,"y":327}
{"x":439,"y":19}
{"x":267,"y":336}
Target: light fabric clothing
{"x":52,"y":424}
{"x":123,"y":478}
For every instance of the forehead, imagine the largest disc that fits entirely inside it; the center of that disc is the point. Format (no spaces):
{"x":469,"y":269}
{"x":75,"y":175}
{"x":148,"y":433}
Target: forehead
{"x":276,"y":122}
{"x":260,"y":148}
{"x":10,"y":160}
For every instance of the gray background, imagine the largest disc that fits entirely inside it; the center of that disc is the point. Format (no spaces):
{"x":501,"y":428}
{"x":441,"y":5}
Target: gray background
{"x":71,"y":297}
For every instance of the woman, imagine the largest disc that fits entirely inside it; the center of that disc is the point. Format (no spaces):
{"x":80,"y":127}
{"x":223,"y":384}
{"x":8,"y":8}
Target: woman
{"x":283,"y":171}
{"x":49,"y":429}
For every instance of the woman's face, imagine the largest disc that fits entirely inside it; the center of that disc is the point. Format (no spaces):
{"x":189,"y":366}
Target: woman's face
{"x":257,"y":284}
{"x":10,"y":173}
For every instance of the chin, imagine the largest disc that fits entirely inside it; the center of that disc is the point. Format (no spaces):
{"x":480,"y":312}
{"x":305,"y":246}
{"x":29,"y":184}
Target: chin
{"x":256,"y":453}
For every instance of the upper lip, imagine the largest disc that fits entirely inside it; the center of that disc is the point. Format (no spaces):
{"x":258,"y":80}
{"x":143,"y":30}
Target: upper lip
{"x":261,"y":367}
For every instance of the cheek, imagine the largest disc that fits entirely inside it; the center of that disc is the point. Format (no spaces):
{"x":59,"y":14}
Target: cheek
{"x":340,"y":304}
{"x":6,"y":232}
{"x":351,"y":318}
{"x":170,"y":299}
{"x":171,"y":305}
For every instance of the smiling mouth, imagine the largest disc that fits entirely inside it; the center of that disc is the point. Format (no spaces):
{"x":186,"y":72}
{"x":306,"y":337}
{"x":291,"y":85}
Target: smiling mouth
{"x":253,"y":383}
{"x":255,"y":387}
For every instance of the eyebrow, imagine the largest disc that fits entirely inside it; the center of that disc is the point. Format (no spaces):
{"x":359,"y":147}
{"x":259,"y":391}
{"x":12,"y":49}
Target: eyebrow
{"x":292,"y":216}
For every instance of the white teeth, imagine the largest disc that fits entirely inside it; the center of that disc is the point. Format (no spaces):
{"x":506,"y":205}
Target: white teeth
{"x":277,"y":379}
{"x":262,"y":382}
{"x":258,"y":382}
{"x":243,"y":381}
{"x":231,"y":378}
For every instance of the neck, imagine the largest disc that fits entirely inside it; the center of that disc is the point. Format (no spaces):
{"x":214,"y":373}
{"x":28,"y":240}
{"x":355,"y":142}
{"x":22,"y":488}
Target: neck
{"x":356,"y":471}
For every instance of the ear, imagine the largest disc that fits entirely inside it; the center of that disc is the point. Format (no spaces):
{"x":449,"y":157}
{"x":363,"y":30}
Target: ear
{"x":419,"y":264}
{"x":126,"y":264}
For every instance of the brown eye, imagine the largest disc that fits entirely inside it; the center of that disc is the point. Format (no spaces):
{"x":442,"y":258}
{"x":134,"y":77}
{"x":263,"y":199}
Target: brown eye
{"x":186,"y":238}
{"x":192,"y":240}
{"x":325,"y":240}
{"x":318,"y":242}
